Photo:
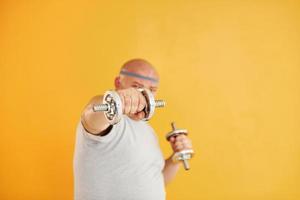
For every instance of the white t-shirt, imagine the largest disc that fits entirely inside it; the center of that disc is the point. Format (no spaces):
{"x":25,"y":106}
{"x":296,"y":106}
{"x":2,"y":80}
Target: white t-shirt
{"x":125,"y":164}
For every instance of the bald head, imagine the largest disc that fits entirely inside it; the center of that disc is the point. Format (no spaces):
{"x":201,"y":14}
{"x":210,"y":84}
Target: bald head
{"x":137,"y":73}
{"x":142,"y":68}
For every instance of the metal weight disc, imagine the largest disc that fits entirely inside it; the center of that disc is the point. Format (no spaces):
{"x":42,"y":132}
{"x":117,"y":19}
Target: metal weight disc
{"x":150,"y":103}
{"x":183,"y":155}
{"x":114,"y":114}
{"x":176,"y":133}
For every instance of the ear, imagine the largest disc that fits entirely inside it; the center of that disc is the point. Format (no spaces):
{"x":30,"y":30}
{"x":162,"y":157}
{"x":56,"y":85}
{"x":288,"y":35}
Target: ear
{"x":117,"y":82}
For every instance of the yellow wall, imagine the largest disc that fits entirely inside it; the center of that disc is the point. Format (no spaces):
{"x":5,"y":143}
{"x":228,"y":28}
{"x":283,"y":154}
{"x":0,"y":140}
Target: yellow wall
{"x":229,"y":73}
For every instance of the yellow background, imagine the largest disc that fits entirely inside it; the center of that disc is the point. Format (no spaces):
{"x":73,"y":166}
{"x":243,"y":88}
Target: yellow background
{"x":229,"y":73}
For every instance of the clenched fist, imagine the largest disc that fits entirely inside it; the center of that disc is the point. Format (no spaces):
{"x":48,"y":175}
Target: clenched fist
{"x":180,"y":142}
{"x":133,"y":103}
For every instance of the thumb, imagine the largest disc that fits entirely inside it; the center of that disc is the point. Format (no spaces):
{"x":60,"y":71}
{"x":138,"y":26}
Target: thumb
{"x":141,"y":115}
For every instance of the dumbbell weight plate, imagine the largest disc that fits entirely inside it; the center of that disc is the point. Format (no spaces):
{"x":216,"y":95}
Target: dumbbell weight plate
{"x":150,"y":103}
{"x":183,"y":155}
{"x":176,"y":133}
{"x":113,"y":100}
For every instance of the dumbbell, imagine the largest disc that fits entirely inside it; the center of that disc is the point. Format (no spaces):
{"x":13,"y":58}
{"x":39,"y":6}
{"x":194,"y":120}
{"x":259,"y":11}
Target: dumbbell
{"x":183,"y":155}
{"x":113,"y":108}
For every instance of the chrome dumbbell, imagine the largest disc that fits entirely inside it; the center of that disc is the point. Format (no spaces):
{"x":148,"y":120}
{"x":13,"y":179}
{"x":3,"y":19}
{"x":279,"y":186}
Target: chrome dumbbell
{"x":113,"y":109}
{"x":183,"y":155}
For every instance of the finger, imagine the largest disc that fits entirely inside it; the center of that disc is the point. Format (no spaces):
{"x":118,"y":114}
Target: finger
{"x":123,"y":102}
{"x":186,"y":141}
{"x":134,"y":104}
{"x":140,"y":115}
{"x":179,"y":147}
{"x":133,"y":116}
{"x":181,"y":137}
{"x":127,"y":106}
{"x":141,"y":103}
{"x":187,"y":145}
{"x":177,"y":143}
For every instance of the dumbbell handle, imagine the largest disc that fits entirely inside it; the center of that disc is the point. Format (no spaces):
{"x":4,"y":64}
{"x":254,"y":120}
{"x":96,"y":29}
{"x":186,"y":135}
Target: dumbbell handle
{"x":184,"y":156}
{"x":186,"y":164}
{"x":101,"y":107}
{"x":105,"y":107}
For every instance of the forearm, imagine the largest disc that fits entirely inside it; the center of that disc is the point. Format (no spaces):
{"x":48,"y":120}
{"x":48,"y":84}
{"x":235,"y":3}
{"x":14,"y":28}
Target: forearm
{"x":94,"y":122}
{"x":170,"y":170}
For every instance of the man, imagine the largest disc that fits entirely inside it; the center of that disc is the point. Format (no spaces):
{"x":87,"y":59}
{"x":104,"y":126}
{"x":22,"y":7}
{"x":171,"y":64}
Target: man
{"x":123,"y":161}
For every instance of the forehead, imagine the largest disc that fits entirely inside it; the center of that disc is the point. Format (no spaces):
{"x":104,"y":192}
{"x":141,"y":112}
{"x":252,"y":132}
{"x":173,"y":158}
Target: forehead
{"x":140,"y":81}
{"x":139,"y":76}
{"x":143,"y":76}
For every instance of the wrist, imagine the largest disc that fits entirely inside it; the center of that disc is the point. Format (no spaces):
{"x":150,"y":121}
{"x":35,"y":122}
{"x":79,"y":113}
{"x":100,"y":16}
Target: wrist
{"x":172,"y":159}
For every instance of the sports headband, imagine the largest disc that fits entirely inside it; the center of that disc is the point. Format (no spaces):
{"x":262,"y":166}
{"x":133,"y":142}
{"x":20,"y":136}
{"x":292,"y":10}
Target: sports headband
{"x":132,"y":74}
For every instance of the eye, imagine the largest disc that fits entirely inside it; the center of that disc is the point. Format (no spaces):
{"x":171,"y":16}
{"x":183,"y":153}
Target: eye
{"x":136,"y":86}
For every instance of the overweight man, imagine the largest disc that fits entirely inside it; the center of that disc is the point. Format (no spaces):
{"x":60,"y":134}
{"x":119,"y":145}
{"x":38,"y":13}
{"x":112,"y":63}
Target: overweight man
{"x":124,"y":161}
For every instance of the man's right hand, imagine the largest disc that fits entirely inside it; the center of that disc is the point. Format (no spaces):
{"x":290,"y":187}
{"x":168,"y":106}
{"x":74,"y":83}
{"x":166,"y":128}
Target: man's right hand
{"x":133,"y":102}
{"x":133,"y":105}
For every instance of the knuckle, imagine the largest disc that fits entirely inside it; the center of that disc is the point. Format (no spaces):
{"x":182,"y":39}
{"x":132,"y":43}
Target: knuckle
{"x":178,"y":149}
{"x":127,"y":99}
{"x":133,"y":110}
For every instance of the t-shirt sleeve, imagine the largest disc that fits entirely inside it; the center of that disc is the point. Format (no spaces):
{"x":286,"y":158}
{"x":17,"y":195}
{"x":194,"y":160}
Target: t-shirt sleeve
{"x":108,"y":137}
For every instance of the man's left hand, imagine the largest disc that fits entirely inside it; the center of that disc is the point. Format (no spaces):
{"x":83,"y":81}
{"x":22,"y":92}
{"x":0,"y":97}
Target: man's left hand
{"x":180,"y":142}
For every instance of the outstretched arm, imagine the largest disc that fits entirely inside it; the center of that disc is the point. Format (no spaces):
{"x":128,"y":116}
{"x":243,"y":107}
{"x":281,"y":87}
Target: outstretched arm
{"x":94,"y":122}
